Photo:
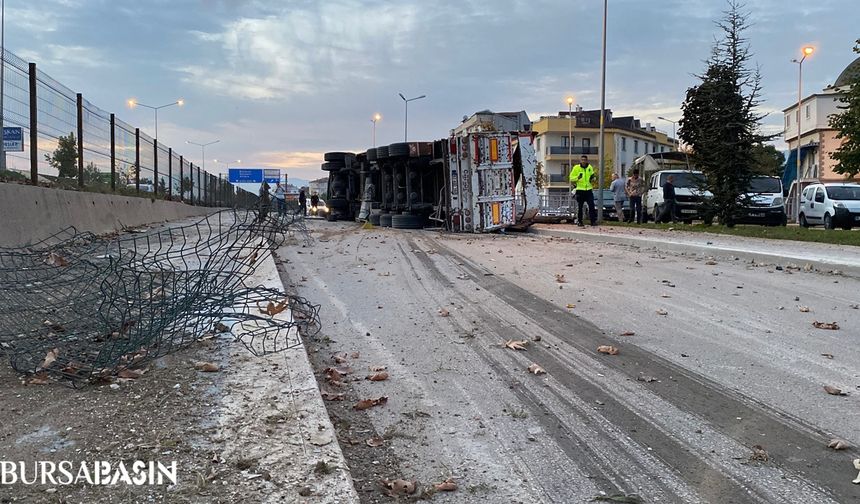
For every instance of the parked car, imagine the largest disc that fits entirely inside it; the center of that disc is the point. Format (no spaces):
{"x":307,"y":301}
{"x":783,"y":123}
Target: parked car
{"x":143,"y":187}
{"x":609,"y":206}
{"x":766,"y":203}
{"x":690,"y":195}
{"x":830,"y":205}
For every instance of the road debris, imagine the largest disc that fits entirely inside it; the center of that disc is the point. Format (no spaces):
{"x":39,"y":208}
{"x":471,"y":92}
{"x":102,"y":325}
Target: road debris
{"x":559,"y":277}
{"x":331,"y":396}
{"x":832,"y":326}
{"x":661,"y":311}
{"x":515,"y":344}
{"x":377,"y":369}
{"x":759,"y":454}
{"x":619,"y":498}
{"x":827,"y":355}
{"x":838,"y":444}
{"x":375,"y":442}
{"x":857,"y":466}
{"x":443,"y":312}
{"x":628,"y":333}
{"x":537,"y":370}
{"x":834,"y":391}
{"x":646,"y":378}
{"x":55,"y":259}
{"x":607,"y":349}
{"x":803,"y":309}
{"x":369,"y":403}
{"x":570,"y":306}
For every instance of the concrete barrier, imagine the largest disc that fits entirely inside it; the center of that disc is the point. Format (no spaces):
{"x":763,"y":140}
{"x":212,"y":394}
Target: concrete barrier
{"x":29,"y":213}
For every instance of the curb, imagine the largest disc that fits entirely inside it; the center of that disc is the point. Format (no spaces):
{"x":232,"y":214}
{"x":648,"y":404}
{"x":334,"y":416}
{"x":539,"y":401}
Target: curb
{"x":784,"y":260}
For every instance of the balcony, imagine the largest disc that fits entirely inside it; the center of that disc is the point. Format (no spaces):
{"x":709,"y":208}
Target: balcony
{"x":560,"y":152}
{"x":556,"y":178}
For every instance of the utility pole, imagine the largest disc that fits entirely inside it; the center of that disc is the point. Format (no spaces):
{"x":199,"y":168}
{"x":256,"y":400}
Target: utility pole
{"x":602,"y":114}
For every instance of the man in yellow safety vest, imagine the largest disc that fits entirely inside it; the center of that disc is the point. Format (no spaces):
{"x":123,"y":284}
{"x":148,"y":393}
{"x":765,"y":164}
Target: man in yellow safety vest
{"x":582,"y":180}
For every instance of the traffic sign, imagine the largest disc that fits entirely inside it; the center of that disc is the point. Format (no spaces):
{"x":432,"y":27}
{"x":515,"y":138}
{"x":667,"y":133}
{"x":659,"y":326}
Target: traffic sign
{"x":13,"y":139}
{"x":272,"y":175}
{"x":245,"y":175}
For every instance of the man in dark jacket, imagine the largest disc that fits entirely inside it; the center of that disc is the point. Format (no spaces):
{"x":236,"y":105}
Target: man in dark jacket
{"x":303,"y":205}
{"x":669,"y":204}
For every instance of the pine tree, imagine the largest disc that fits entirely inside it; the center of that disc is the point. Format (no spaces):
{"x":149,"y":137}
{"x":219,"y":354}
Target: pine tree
{"x":720,"y":121}
{"x":847,"y":122}
{"x":64,"y":159}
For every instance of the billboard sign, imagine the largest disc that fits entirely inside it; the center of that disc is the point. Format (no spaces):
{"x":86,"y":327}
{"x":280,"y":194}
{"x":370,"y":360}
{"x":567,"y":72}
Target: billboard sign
{"x":13,"y":139}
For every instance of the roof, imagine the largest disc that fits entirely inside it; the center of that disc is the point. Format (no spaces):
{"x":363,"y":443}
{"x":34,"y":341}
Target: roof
{"x":849,"y":75}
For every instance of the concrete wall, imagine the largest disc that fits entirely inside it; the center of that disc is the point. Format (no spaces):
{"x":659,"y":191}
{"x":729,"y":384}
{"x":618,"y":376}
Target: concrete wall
{"x":29,"y":213}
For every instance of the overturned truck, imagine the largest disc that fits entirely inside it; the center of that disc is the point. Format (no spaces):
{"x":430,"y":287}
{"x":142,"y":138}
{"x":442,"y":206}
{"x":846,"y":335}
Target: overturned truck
{"x":473,"y":182}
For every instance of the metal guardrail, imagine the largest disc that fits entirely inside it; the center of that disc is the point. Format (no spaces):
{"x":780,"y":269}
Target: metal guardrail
{"x":557,"y":205}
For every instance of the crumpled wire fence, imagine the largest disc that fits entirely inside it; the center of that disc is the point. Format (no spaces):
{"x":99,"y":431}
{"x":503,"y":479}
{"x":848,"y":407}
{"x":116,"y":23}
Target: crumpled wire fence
{"x":78,"y":307}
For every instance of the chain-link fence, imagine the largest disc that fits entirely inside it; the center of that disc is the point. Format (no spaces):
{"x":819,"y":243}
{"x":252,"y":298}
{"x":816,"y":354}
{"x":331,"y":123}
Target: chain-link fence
{"x":73,"y":144}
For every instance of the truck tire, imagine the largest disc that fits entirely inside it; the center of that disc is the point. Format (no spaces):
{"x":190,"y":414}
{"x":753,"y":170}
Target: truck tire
{"x":381,"y":152}
{"x":374,"y":219}
{"x":407,"y":221}
{"x":332,"y":166}
{"x":337,"y":156}
{"x":398,"y":149}
{"x":385,"y":220}
{"x":371,"y":154}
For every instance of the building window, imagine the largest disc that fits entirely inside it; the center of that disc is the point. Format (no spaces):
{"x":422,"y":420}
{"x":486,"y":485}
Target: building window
{"x":623,"y":144}
{"x":662,"y":148}
{"x":787,"y":120}
{"x":566,"y":140}
{"x":635,"y":146}
{"x":623,"y":169}
{"x":565,"y":169}
{"x":586,"y":144}
{"x":646,"y":147}
{"x":807,"y":111}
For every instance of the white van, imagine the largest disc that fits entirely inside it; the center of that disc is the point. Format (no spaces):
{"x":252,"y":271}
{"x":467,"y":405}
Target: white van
{"x":766,"y":204}
{"x":690,"y":194}
{"x":830,"y":205}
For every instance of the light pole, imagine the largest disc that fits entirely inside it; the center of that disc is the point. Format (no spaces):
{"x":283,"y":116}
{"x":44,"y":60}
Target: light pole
{"x":569,"y":133}
{"x":134,"y":103}
{"x":602,"y":114}
{"x":674,"y":138}
{"x":2,"y":82}
{"x":376,"y":118}
{"x":406,"y":120}
{"x":807,"y":51}
{"x":202,"y":149}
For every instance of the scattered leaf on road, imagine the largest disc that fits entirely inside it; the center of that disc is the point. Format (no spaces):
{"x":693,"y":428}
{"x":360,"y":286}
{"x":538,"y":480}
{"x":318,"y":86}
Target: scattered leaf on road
{"x":55,"y":259}
{"x":570,"y":306}
{"x":443,"y":312}
{"x":377,"y":369}
{"x":38,"y":379}
{"x":827,"y":355}
{"x":838,"y":444}
{"x":832,"y":326}
{"x":381,"y":376}
{"x":355,"y":355}
{"x":399,"y":487}
{"x":560,"y":278}
{"x":803,"y":309}
{"x":535,"y":369}
{"x":449,"y":485}
{"x":646,"y":378}
{"x":375,"y":441}
{"x":628,"y":333}
{"x":710,"y":263}
{"x":661,"y":311}
{"x":339,"y":358}
{"x":50,"y":358}
{"x":331,"y":396}
{"x":130,"y":374}
{"x":607,"y":349}
{"x":206,"y":367}
{"x":834,"y":391}
{"x":516,"y":344}
{"x":759,"y":454}
{"x":369,"y":403}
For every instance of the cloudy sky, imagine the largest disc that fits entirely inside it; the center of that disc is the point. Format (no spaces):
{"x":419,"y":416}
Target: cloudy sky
{"x":280,"y":82}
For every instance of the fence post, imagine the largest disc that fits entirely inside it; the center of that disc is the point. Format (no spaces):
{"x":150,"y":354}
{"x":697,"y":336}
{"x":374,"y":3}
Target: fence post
{"x":34,"y":128}
{"x":80,"y":101}
{"x":137,"y":160}
{"x":199,"y":187}
{"x":112,"y":152}
{"x":181,"y":180}
{"x":170,"y":172}
{"x":155,"y":166}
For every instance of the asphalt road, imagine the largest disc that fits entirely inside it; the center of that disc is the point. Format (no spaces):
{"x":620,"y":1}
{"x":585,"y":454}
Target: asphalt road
{"x":723,"y":360}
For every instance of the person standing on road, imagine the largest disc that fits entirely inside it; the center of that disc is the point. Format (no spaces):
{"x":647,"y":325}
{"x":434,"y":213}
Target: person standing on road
{"x":635,"y":188}
{"x":582,"y":178}
{"x":315,"y":201}
{"x":617,"y":188}
{"x":669,"y":203}
{"x":303,"y":205}
{"x":264,"y":202}
{"x":280,"y":198}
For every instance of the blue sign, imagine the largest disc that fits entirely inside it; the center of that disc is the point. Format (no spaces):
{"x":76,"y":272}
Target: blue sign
{"x":254,"y":175}
{"x":13,"y":139}
{"x":245,"y":175}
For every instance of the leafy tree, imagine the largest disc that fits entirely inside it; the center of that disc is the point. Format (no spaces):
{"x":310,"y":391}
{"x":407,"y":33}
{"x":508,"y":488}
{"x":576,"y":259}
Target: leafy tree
{"x":187,"y":185}
{"x":162,"y":186}
{"x":64,"y":159}
{"x":92,"y":175}
{"x":720,"y":121}
{"x":768,"y":160}
{"x":847,"y":156}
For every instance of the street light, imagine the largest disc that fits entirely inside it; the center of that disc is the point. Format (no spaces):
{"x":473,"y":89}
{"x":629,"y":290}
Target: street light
{"x":134,"y":103}
{"x":406,"y":121}
{"x":2,"y":69}
{"x":227,"y":163}
{"x":202,"y":149}
{"x":674,"y":138}
{"x":569,"y":133}
{"x":806,"y":51}
{"x":376,"y":118}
